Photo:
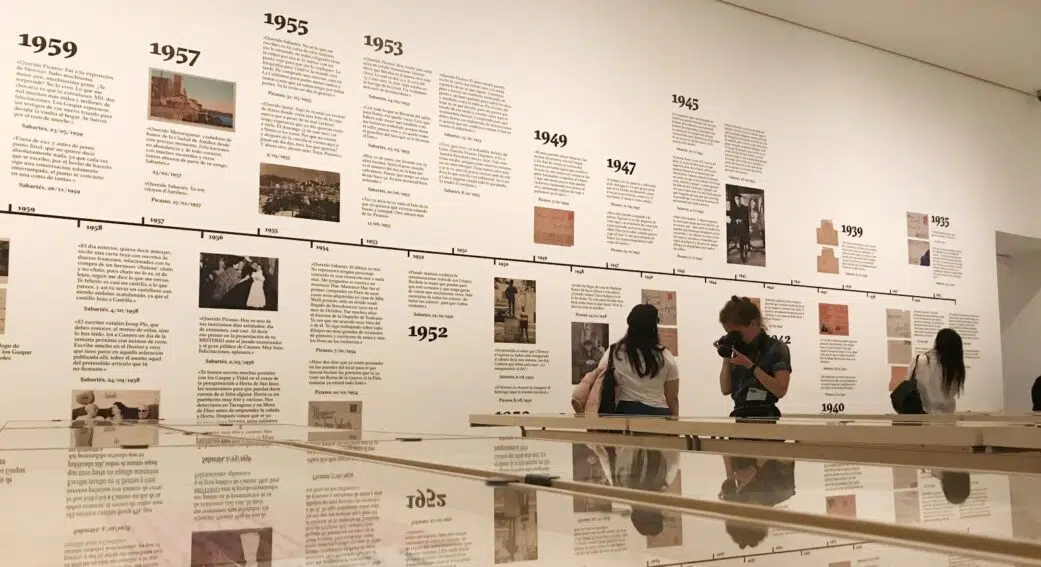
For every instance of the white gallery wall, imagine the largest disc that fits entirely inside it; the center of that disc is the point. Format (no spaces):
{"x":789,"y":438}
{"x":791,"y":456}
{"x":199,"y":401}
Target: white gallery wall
{"x":1019,"y":287}
{"x":389,"y":216}
{"x":314,"y":211}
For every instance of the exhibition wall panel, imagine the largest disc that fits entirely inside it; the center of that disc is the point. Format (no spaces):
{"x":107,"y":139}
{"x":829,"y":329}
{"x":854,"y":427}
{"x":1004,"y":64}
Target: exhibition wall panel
{"x":391,"y":216}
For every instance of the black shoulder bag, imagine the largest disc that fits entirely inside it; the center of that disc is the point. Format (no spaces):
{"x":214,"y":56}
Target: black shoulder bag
{"x":905,"y":398}
{"x":608,"y":401}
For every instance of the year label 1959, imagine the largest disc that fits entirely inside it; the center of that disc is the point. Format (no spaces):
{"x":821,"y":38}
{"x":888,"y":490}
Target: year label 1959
{"x":52,"y":45}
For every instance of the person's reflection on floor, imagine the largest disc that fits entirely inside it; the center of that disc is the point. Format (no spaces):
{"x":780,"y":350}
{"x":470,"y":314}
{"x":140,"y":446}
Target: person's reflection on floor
{"x":639,"y":469}
{"x":745,"y":535}
{"x":763,"y":482}
{"x":956,"y":485}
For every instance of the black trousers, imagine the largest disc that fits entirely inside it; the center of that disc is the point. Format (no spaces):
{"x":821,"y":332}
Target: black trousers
{"x":638,"y":408}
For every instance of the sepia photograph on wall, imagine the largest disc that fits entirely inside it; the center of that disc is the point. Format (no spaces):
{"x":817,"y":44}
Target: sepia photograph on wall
{"x":189,"y":99}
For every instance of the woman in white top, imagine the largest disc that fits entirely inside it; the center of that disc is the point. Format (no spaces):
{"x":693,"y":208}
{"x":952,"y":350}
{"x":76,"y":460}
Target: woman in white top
{"x":646,"y":373}
{"x":940,"y":373}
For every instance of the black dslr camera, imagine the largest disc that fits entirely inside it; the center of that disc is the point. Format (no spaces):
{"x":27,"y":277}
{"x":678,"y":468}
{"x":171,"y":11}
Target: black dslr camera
{"x":728,"y":343}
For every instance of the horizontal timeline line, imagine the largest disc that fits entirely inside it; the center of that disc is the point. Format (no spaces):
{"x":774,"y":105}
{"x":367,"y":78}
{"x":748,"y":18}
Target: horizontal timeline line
{"x":495,"y":259}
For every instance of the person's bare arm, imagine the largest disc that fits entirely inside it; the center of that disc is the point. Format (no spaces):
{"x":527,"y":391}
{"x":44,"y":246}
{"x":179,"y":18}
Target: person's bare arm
{"x":725,"y":385}
{"x":672,"y":396}
{"x":777,"y":384}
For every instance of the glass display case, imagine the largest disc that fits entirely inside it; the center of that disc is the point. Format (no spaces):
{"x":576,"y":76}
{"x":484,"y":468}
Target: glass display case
{"x":212,"y":494}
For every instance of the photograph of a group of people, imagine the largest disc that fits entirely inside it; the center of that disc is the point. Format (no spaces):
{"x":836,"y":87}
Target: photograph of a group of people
{"x":232,"y":548}
{"x":287,"y":191}
{"x":516,"y":525}
{"x":238,"y":282}
{"x":514,"y":310}
{"x":114,"y":406}
{"x":589,"y":342}
{"x":746,"y":226}
{"x":113,"y":418}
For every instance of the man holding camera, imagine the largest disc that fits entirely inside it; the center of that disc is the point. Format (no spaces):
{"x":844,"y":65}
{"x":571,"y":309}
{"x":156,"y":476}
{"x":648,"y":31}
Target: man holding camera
{"x":756,"y":368}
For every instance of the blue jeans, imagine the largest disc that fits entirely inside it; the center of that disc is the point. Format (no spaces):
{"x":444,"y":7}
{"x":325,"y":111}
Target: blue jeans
{"x":637,"y":408}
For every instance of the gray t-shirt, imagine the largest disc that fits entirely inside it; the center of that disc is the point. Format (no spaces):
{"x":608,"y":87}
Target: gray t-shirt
{"x":772,"y":356}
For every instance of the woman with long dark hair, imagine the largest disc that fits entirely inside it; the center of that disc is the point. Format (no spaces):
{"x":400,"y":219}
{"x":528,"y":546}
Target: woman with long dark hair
{"x":940,"y":373}
{"x":646,"y":373}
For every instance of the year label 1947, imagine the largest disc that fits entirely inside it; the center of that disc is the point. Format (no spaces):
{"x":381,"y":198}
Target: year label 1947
{"x":619,"y":166}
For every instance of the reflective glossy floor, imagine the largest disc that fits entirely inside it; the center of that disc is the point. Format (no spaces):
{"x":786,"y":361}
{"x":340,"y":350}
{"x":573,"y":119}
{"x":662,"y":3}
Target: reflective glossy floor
{"x":188,"y":494}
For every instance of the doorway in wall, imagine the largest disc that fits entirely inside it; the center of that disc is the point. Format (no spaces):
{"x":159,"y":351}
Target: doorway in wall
{"x":1019,"y":304}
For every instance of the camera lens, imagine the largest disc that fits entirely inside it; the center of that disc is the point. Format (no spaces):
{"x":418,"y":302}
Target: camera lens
{"x":725,"y":346}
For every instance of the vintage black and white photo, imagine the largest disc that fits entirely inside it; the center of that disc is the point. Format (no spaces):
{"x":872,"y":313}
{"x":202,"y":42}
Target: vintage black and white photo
{"x":5,"y":259}
{"x":586,"y":468}
{"x":514,"y":311}
{"x":589,"y":342}
{"x":516,"y":525}
{"x":227,"y":281}
{"x":746,"y":226}
{"x":114,"y":406}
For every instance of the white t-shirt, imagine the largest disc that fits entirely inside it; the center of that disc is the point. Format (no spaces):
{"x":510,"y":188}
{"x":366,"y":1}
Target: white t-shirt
{"x":633,"y":388}
{"x":625,"y":459}
{"x":929,"y":375}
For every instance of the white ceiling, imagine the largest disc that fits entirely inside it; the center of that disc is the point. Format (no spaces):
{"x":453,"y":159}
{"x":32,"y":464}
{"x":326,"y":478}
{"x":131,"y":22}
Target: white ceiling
{"x":995,"y":40}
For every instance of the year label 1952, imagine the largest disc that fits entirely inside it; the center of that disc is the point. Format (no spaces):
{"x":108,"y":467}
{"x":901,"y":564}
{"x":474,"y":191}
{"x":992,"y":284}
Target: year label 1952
{"x":429,"y":334}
